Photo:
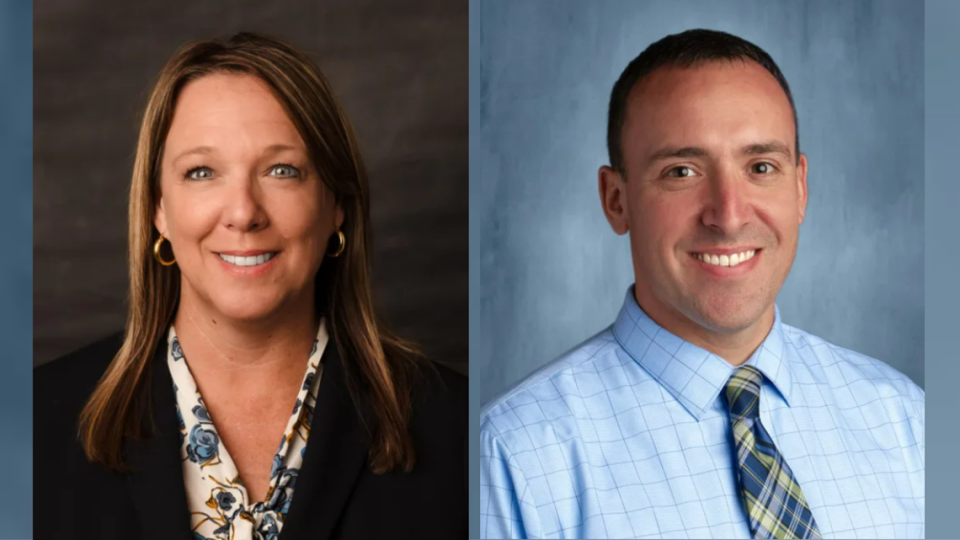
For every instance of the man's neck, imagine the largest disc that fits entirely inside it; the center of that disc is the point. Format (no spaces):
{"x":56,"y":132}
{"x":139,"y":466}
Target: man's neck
{"x":736,"y":347}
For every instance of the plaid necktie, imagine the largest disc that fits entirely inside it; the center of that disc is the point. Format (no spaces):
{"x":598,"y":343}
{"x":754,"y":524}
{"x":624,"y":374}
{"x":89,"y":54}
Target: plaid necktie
{"x":773,"y":500}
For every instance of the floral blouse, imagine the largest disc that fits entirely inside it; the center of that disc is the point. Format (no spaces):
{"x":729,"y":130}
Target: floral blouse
{"x":220,"y":508}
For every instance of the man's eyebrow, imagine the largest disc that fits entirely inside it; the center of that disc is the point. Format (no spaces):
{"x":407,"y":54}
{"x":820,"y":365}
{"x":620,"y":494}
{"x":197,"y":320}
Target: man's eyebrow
{"x":670,"y":152}
{"x":769,"y":147}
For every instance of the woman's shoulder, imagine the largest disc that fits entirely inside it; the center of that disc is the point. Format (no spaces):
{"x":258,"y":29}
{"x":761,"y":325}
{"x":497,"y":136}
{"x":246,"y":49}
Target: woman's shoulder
{"x":64,"y":384}
{"x":440,"y":397}
{"x":440,"y":382}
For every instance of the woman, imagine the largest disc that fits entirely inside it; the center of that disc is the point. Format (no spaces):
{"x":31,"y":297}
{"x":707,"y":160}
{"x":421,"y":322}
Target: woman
{"x":249,"y":299}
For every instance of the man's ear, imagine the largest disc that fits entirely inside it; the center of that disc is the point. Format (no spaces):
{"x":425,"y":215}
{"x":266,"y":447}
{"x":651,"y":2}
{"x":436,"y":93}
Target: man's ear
{"x":613,"y":197}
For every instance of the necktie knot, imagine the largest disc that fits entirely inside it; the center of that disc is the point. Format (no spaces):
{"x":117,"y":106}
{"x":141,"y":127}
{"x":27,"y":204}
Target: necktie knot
{"x":742,"y":393}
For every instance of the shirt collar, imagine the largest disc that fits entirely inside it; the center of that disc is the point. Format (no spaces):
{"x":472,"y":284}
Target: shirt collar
{"x":695,"y":376}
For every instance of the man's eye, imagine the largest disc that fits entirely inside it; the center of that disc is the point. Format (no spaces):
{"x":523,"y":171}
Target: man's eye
{"x":762,"y":168}
{"x":680,"y":172}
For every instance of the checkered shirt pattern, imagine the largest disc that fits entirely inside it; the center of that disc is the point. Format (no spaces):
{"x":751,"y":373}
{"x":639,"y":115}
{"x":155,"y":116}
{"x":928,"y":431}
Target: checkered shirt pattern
{"x":625,"y":436}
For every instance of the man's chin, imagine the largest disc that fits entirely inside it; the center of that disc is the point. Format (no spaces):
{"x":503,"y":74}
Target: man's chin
{"x":730,"y":316}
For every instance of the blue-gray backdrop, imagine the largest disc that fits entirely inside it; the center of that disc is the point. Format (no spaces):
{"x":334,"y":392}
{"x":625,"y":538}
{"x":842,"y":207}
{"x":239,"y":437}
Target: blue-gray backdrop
{"x":16,"y":273}
{"x":552,"y":273}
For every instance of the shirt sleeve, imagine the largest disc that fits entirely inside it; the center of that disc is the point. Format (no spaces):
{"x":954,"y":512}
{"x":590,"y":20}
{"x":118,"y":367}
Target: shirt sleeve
{"x":506,"y":510}
{"x":919,"y":405}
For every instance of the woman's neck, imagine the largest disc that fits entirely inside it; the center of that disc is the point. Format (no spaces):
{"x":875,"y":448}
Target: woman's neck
{"x":245,"y":353}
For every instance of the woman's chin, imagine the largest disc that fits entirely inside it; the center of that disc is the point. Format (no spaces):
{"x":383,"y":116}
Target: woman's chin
{"x":248,"y":310}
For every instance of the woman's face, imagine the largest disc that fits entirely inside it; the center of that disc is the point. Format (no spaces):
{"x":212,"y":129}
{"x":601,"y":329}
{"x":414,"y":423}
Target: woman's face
{"x":247,"y":217}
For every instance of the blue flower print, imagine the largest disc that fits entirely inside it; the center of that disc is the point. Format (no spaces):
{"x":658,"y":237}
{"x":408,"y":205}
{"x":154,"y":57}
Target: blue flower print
{"x":224,"y":529}
{"x":177,"y":350}
{"x":226,"y":499}
{"x":201,"y":413}
{"x":280,"y":501}
{"x":276,"y":468}
{"x":276,"y":494}
{"x":268,"y":529}
{"x":204,"y":445}
{"x":181,"y":426}
{"x":288,"y":478}
{"x":226,"y":513}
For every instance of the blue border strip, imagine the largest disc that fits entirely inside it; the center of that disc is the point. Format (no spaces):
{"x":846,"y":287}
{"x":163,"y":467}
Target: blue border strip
{"x":942,"y":264}
{"x":16,"y":274}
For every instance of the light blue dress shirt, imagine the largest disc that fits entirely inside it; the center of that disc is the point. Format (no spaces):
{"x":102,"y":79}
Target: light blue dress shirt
{"x":626,"y":436}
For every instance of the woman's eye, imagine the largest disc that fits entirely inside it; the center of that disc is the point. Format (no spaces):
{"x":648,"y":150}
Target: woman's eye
{"x":762,"y":168}
{"x":200,"y":173}
{"x":284,"y":171}
{"x":680,"y":172}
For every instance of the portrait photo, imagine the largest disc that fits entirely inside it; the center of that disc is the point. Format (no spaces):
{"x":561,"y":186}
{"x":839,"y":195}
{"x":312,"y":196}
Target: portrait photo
{"x":701,"y":258}
{"x":250,"y":269}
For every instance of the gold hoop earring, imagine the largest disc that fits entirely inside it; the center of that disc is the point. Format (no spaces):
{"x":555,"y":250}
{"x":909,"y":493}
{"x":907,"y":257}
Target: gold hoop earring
{"x":341,"y":247}
{"x":156,"y":252}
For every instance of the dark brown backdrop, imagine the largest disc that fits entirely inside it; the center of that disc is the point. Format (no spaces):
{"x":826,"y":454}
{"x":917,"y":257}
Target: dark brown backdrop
{"x":400,"y":69}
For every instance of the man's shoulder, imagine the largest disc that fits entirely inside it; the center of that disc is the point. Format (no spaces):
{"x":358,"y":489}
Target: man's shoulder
{"x":824,"y":362}
{"x":546,"y":395}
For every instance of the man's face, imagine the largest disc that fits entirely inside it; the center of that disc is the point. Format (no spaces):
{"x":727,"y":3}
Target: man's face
{"x":713,"y":193}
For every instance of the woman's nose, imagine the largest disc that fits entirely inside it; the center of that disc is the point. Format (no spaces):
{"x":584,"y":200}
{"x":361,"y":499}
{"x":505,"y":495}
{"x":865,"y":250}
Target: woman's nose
{"x":243,"y":207}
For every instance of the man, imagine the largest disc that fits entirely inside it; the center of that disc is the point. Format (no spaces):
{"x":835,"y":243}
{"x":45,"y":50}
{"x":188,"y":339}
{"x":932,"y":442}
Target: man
{"x":698,"y":413}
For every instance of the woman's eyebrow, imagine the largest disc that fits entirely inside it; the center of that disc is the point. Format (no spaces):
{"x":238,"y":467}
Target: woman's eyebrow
{"x":278,"y":148}
{"x":201,"y":150}
{"x":209,"y":150}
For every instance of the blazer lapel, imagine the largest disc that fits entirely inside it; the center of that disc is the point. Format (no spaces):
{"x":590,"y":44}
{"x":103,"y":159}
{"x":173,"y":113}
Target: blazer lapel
{"x":335,"y":457}
{"x":156,"y":477}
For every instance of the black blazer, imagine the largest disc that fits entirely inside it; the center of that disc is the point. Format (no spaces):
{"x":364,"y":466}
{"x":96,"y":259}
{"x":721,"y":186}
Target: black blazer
{"x":337,"y":496}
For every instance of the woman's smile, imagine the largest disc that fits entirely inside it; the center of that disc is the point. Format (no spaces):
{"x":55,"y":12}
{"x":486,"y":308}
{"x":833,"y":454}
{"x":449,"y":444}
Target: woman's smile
{"x":253,"y":265}
{"x":252,"y":258}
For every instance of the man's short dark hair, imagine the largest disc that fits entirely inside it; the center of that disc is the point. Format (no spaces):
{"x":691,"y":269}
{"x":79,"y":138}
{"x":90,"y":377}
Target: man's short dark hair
{"x":684,"y":50}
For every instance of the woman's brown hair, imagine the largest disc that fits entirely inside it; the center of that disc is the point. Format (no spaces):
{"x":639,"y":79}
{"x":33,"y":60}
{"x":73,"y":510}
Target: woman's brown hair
{"x":379,"y":366}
